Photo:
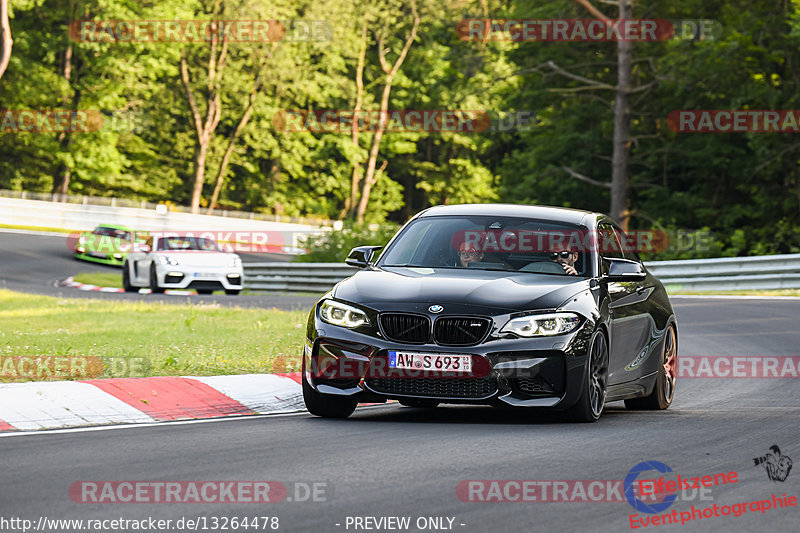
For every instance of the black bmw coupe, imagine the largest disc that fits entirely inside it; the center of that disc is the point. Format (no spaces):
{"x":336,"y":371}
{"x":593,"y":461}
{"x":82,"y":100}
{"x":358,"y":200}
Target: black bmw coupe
{"x":507,"y":305}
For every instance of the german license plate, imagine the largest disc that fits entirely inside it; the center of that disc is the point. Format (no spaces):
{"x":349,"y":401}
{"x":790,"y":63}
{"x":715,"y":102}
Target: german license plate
{"x":98,"y":255}
{"x":204,"y":275}
{"x":430,"y":361}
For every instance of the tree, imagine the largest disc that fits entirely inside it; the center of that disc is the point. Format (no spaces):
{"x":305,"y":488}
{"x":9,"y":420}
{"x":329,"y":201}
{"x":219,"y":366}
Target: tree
{"x":389,"y":72}
{"x":5,"y":37}
{"x":205,"y":125}
{"x":622,"y":115}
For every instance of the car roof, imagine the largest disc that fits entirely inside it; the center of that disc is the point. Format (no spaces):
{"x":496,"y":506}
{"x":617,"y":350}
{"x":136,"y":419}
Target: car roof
{"x":538,"y":212}
{"x":113,"y":226}
{"x":182,"y":235}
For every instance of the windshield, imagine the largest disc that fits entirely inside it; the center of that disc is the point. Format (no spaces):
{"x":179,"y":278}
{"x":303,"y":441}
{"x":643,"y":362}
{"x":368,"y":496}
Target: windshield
{"x":187,"y":243}
{"x":490,"y":243}
{"x":112,"y":232}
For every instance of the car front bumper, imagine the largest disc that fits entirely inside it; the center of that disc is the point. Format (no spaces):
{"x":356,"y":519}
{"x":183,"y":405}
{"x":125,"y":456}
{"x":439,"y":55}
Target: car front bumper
{"x":545,"y":372}
{"x":182,"y":277}
{"x":103,"y":258}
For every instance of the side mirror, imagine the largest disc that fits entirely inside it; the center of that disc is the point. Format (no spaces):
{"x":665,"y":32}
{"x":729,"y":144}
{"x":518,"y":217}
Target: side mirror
{"x":361,"y":256}
{"x":144,"y":248}
{"x":624,"y":270}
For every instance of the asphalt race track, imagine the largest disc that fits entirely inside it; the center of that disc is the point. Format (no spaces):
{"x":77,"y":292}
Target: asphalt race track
{"x":388,"y":461}
{"x":35,"y":263}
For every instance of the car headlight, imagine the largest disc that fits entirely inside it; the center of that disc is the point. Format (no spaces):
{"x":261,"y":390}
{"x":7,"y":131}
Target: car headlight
{"x":236,"y":262}
{"x":167,"y":260}
{"x":82,"y":240}
{"x":340,"y":314}
{"x":542,"y":325}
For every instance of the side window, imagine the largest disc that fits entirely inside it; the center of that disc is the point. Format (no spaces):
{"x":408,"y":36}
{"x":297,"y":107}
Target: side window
{"x":628,"y":246}
{"x":610,"y":246}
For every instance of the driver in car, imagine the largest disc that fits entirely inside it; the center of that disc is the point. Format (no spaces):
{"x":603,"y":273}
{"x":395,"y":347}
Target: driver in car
{"x":467,"y":253}
{"x":567,"y":260}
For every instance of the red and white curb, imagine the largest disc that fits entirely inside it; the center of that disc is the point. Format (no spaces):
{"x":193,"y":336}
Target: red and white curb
{"x":64,"y":404}
{"x":69,"y":282}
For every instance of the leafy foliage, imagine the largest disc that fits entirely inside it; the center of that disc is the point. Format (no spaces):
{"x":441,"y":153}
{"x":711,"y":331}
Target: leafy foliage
{"x":333,"y":246}
{"x":742,"y":188}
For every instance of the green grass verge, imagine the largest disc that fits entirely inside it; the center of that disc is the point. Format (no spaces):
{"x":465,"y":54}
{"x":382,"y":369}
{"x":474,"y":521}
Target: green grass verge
{"x":43,"y":338}
{"x":38,"y":228}
{"x":101,"y":279}
{"x":114,"y":279}
{"x":776,"y":292}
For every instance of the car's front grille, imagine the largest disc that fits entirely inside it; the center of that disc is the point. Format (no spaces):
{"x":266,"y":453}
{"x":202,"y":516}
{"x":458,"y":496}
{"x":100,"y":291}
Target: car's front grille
{"x":534,"y":385}
{"x":406,"y":328}
{"x":460,"y":331}
{"x":205,"y":285}
{"x":435,"y":387}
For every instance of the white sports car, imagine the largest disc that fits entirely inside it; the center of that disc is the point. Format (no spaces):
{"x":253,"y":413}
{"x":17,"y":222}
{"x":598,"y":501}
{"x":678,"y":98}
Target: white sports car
{"x":177,"y":261}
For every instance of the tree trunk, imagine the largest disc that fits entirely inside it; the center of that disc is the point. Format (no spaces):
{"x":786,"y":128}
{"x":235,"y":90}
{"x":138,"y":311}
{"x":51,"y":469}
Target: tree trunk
{"x":5,"y":37}
{"x":63,"y":172}
{"x":355,"y":179}
{"x":205,"y":127}
{"x":200,"y":153}
{"x":371,"y":177}
{"x":223,"y":167}
{"x":622,"y":124}
{"x":619,"y":185}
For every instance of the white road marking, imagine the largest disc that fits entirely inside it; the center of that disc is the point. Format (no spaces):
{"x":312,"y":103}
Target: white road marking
{"x":171,"y":423}
{"x":62,"y":403}
{"x":285,"y":394}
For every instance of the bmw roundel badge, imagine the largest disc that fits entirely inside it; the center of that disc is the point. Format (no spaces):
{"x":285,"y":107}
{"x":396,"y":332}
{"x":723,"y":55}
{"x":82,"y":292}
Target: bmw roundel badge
{"x":436,"y":309}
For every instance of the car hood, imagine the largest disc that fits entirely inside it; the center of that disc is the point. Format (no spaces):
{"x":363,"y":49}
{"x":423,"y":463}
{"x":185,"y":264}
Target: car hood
{"x":197,"y":258}
{"x":397,"y":287}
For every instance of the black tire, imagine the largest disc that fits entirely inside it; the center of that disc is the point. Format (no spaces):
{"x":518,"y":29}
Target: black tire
{"x":232,"y":292}
{"x":589,"y":406}
{"x":420,"y":403}
{"x":204,"y":291}
{"x":126,"y":279}
{"x":664,"y":389}
{"x":154,"y":287}
{"x":326,"y":406}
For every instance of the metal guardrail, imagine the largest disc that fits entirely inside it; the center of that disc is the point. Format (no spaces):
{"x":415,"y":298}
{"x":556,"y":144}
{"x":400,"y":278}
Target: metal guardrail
{"x":144,"y":204}
{"x":79,"y":217}
{"x":295,"y":277}
{"x":730,"y":273}
{"x":722,"y":274}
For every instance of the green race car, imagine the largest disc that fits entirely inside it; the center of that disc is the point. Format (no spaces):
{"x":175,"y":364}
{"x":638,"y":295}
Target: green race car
{"x":108,"y":244}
